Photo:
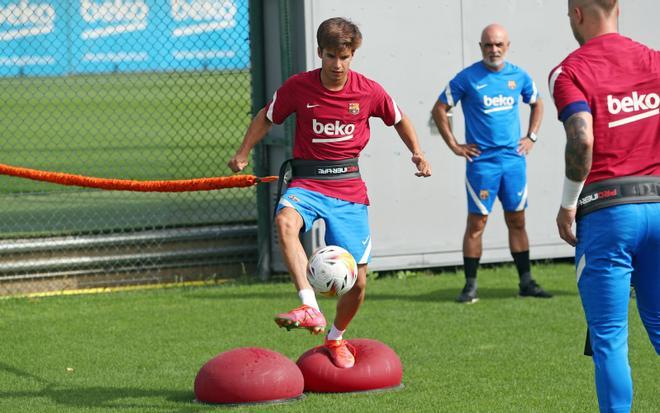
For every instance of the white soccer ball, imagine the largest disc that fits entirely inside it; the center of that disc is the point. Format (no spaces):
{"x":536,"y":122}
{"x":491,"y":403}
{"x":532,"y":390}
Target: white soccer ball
{"x":332,"y":271}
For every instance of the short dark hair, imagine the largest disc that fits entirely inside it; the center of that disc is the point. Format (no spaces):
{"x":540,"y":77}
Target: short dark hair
{"x":338,"y":33}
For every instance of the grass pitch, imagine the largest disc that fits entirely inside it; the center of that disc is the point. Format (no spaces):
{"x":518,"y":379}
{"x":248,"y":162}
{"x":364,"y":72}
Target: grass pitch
{"x":144,"y":126}
{"x":140,"y":351}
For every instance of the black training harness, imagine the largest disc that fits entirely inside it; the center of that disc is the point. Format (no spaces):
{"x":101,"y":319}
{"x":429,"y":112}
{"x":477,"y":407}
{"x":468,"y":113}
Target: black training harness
{"x":618,"y":191}
{"x":315,"y":169}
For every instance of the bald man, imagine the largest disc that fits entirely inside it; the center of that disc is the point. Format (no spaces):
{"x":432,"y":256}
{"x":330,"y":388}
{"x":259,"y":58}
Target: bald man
{"x":494,"y":151}
{"x":607,"y":94}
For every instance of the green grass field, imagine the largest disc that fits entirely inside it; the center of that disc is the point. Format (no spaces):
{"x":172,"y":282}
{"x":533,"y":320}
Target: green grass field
{"x":140,"y":351}
{"x":135,"y":126}
{"x":177,"y":125}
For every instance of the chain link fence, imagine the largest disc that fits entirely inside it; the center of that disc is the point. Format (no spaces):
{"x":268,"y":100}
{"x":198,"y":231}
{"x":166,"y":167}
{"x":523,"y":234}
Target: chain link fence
{"x":127,"y":89}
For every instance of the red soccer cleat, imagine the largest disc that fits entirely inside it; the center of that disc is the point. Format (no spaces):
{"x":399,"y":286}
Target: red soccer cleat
{"x":341,"y":352}
{"x":302,"y":317}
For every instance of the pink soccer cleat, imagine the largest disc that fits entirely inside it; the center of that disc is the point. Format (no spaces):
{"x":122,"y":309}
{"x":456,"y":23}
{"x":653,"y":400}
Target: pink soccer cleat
{"x":341,"y":352}
{"x":302,"y":317}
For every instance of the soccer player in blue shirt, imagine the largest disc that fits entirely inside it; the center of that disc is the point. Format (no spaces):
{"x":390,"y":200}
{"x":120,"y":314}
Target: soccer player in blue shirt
{"x":490,"y":91}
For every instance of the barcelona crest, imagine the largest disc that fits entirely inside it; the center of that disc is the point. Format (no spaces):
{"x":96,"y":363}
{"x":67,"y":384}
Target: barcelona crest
{"x":512,"y":84}
{"x":353,"y":108}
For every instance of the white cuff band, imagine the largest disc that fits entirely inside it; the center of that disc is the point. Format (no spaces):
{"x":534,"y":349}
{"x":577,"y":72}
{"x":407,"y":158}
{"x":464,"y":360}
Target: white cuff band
{"x":571,"y":193}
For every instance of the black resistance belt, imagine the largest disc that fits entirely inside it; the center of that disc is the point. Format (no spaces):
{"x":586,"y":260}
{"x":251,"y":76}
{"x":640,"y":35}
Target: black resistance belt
{"x":618,"y":191}
{"x":315,"y":169}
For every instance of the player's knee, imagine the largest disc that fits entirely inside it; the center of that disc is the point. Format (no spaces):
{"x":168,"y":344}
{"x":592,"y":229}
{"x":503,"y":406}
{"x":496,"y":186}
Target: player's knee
{"x":360,"y":285}
{"x":287,"y":225}
{"x":475,"y":227}
{"x":361,"y":282}
{"x":515,"y":221}
{"x":516,"y":226}
{"x":359,"y":290}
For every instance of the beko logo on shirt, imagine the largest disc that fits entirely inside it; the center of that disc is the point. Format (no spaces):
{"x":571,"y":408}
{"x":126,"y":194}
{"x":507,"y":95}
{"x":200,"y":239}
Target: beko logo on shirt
{"x":500,"y":100}
{"x":337,"y":131}
{"x":647,"y":104}
{"x":497,"y":103}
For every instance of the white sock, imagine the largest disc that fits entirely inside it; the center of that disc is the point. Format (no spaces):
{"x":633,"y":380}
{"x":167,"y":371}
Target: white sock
{"x":335,"y":334}
{"x":308,"y":298}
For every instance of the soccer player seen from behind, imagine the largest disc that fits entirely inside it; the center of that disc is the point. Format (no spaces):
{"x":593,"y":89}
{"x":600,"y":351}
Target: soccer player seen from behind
{"x":333,"y":105}
{"x":607,"y":95}
{"x":489,"y":91}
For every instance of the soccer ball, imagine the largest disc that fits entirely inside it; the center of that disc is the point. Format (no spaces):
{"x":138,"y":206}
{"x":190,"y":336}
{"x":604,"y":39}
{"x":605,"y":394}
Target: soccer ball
{"x":332,"y":271}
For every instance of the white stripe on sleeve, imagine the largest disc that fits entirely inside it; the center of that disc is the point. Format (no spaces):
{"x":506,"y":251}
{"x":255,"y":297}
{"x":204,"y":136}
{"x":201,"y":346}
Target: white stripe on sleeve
{"x":269,"y":113}
{"x":450,"y":98}
{"x":397,"y":112}
{"x":535,"y":93}
{"x":553,"y":79}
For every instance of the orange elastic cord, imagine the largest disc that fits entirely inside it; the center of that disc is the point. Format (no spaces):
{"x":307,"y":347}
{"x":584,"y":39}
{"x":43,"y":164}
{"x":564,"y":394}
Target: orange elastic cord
{"x":183,"y":185}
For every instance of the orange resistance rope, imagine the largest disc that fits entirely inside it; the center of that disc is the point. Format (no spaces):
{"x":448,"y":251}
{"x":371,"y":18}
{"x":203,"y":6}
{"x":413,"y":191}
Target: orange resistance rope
{"x":183,"y":185}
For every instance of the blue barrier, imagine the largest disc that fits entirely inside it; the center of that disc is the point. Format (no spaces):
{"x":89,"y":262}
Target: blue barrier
{"x":57,"y":37}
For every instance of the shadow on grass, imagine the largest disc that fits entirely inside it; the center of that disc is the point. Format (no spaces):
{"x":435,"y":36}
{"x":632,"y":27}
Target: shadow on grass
{"x":98,"y":396}
{"x":450,"y":294}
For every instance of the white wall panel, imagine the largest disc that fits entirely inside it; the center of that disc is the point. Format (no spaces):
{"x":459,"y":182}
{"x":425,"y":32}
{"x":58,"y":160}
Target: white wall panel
{"x":640,"y":20}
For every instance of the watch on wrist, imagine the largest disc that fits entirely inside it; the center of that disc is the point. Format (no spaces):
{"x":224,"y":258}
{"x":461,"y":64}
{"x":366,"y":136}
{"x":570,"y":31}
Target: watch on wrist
{"x":532,"y":137}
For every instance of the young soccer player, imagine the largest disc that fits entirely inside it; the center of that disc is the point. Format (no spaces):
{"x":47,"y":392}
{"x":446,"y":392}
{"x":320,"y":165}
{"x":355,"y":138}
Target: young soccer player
{"x":333,"y":106}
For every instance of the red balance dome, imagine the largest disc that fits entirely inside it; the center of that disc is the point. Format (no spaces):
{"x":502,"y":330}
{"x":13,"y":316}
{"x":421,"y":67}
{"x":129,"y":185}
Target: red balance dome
{"x":377,"y":366}
{"x":248,"y":375}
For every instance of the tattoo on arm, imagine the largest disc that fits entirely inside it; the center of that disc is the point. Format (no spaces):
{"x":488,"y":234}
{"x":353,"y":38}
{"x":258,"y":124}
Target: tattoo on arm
{"x":578,"y":154}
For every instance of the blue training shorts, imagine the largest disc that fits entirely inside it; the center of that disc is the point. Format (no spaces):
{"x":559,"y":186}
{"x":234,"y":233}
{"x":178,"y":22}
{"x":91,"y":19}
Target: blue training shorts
{"x":617,"y":245}
{"x":346,"y":223}
{"x":497,"y":173}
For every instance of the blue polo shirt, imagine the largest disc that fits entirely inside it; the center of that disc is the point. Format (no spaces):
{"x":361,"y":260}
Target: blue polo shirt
{"x":490,"y":103}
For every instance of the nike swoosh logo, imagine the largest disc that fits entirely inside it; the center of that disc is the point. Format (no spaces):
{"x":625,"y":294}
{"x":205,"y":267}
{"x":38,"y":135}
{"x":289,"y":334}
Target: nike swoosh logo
{"x":312,"y":106}
{"x":365,"y":241}
{"x":481,"y":86}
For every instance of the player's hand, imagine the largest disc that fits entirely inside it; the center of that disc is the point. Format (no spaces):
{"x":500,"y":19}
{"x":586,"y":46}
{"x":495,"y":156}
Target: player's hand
{"x":525,"y":145}
{"x":565,"y":220}
{"x":238,"y":163}
{"x":468,"y":151}
{"x":423,"y":166}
